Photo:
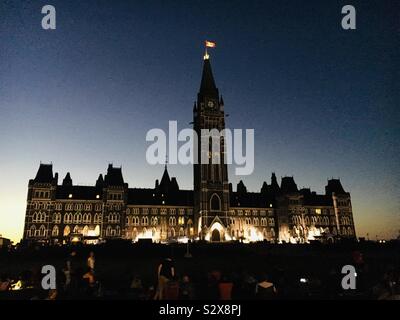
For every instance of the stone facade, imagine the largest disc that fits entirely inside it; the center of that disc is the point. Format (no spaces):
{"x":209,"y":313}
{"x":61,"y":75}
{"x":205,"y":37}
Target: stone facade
{"x":60,"y":213}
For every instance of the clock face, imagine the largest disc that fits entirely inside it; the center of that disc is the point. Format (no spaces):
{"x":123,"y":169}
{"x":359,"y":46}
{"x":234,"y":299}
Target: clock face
{"x":211,"y":104}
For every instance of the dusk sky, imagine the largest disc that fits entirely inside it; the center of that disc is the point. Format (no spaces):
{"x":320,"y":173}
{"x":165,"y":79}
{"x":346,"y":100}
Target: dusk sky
{"x":323,"y":101}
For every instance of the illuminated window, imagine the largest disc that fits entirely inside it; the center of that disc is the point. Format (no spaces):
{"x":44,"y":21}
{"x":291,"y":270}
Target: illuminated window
{"x":98,"y":196}
{"x":57,"y":218}
{"x":31,"y":231}
{"x":67,"y":231}
{"x":87,"y":218}
{"x":97,"y":218}
{"x":154,"y":221}
{"x":172,"y":221}
{"x":255,"y":222}
{"x":70,"y":195}
{"x":68,"y":218}
{"x":135,"y":221}
{"x":263,"y":222}
{"x":318,"y":211}
{"x":78,"y":218}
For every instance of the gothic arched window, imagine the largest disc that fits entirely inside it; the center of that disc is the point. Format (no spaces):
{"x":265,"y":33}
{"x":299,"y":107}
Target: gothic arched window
{"x":67,"y":231}
{"x":215,"y":203}
{"x":54,"y":232}
{"x":42,"y":231}
{"x":32,"y":231}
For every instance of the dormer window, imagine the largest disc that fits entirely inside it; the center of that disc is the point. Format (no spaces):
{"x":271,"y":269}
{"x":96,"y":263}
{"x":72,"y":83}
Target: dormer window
{"x":70,"y":196}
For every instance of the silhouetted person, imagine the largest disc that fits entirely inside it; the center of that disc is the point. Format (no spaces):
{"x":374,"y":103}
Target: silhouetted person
{"x":72,"y":270}
{"x":90,"y":282}
{"x":265,"y":289}
{"x":67,"y":275}
{"x":91,"y":261}
{"x":186,"y":291}
{"x":165,"y":273}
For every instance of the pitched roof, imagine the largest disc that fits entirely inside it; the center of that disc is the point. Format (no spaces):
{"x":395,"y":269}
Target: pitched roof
{"x":100,"y":181}
{"x":114,"y":176}
{"x":334,"y":185}
{"x":288,"y":185}
{"x":67,"y":180}
{"x":44,"y":174}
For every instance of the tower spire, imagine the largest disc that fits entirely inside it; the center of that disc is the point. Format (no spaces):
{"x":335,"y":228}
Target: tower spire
{"x":207,"y":86}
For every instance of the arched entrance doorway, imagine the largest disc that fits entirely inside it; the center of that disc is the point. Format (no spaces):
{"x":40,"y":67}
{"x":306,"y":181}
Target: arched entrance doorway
{"x":215,"y":236}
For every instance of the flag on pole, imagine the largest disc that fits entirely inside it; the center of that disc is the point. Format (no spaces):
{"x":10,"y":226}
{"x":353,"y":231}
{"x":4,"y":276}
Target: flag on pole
{"x":210,"y":44}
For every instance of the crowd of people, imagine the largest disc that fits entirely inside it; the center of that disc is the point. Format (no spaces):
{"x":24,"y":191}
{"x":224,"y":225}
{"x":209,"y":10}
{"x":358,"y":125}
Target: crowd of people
{"x":79,"y":278}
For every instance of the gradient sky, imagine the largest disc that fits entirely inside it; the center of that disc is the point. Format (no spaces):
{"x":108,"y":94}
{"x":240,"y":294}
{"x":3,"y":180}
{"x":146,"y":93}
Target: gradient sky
{"x":324,"y":102}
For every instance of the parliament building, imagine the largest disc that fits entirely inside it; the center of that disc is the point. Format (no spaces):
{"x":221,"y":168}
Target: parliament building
{"x":60,"y":213}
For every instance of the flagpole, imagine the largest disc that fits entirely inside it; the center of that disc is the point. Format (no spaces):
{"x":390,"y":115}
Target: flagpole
{"x":206,"y":56}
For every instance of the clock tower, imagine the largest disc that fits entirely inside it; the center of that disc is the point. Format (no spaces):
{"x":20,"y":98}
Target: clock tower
{"x":211,"y":189}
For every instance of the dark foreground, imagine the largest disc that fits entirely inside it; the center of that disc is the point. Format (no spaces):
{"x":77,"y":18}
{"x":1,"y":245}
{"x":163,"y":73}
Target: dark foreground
{"x":126,"y":271}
